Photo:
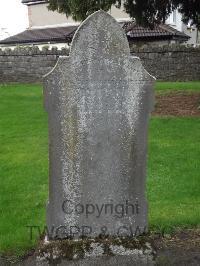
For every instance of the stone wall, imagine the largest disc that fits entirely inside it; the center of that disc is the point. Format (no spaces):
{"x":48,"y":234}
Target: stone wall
{"x":169,"y":63}
{"x":28,"y":64}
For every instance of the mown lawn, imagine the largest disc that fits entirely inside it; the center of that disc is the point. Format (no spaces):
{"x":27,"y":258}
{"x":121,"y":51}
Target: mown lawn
{"x":164,"y":87}
{"x":174,"y":173}
{"x":173,"y":168}
{"x":24,"y":164}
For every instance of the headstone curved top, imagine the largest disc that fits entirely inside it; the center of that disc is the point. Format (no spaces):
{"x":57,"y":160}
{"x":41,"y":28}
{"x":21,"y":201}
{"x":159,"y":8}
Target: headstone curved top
{"x":98,"y":101}
{"x":100,"y":35}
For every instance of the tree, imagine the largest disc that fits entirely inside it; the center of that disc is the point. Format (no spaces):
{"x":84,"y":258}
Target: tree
{"x":145,"y":12}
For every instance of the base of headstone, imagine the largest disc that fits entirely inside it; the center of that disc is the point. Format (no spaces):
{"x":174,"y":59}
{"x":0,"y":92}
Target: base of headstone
{"x":88,"y":252}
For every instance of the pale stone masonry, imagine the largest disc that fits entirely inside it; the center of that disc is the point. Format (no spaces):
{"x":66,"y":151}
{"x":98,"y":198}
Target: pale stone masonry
{"x":98,"y":101}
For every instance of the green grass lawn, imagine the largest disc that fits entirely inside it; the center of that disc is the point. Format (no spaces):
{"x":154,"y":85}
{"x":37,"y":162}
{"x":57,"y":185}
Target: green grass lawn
{"x":173,"y":168}
{"x":164,"y":87}
{"x":174,"y":172}
{"x":24,"y":164}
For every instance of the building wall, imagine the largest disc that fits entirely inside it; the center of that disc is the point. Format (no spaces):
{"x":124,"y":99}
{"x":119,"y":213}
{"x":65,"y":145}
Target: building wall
{"x":174,"y":20}
{"x":192,"y":32}
{"x":119,"y":13}
{"x":169,"y":63}
{"x":40,"y":16}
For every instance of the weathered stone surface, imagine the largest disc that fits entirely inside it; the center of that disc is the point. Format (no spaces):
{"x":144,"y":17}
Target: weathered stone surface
{"x":138,"y":258}
{"x":128,"y":260}
{"x":96,"y":252}
{"x":98,"y":100}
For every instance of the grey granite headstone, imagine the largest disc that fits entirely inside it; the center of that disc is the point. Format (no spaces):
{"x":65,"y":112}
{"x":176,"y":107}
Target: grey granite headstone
{"x":98,"y":101}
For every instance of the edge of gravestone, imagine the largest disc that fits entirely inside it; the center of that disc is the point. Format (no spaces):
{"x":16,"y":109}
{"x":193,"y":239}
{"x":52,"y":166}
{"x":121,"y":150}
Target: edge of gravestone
{"x":98,"y":12}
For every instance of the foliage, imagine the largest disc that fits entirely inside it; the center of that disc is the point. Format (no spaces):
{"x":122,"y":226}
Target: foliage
{"x":146,"y":12}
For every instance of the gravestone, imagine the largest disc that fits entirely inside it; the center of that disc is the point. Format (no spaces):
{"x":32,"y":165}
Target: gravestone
{"x":98,"y":101}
